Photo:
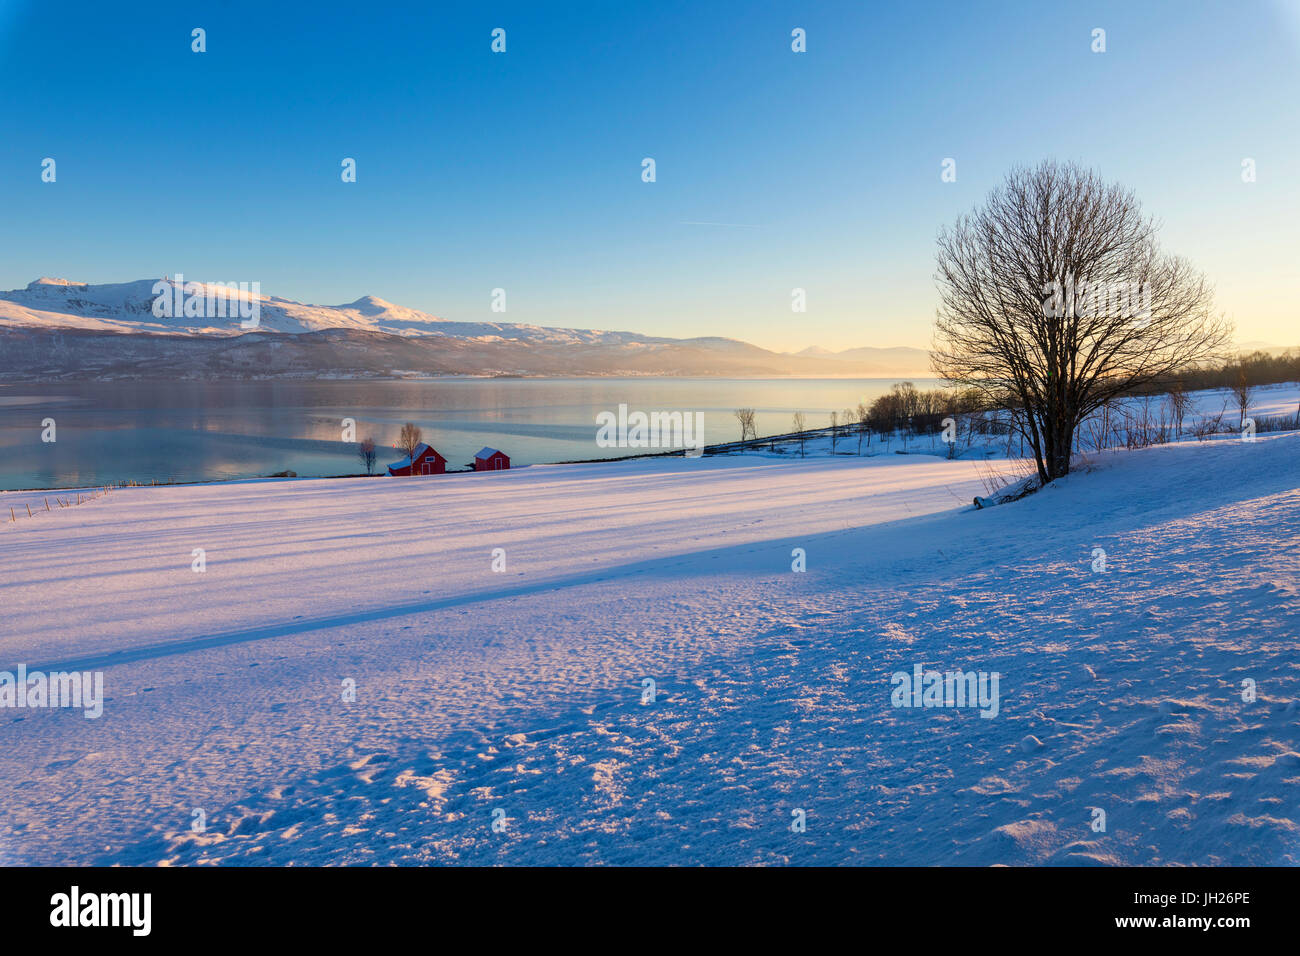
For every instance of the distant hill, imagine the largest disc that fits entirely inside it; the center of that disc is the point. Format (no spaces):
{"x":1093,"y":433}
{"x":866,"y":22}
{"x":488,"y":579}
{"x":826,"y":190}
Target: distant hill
{"x":904,"y":360}
{"x":58,"y":329}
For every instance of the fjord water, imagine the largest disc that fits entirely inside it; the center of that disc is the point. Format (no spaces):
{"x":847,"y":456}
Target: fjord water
{"x":208,"y":431}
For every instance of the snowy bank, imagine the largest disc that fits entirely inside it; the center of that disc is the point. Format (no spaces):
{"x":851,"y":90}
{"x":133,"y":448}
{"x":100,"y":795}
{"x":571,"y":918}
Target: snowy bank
{"x":521,"y":690}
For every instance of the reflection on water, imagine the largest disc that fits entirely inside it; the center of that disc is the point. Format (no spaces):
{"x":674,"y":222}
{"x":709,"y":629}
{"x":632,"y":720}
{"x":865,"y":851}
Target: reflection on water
{"x":197,"y":431}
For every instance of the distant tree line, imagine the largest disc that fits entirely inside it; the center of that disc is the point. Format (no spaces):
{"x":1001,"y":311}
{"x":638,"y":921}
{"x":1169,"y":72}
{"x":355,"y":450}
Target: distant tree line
{"x":1257,"y":368}
{"x":906,"y":408}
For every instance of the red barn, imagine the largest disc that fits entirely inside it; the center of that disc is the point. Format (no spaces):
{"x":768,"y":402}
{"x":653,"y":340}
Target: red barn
{"x":427,"y":462}
{"x":489,"y":459}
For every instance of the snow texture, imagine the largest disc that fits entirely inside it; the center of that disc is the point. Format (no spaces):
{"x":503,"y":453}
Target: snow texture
{"x":522,"y":690}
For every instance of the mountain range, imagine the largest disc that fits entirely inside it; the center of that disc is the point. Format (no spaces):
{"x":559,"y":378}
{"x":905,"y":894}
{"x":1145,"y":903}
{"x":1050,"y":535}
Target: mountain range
{"x":57,"y":329}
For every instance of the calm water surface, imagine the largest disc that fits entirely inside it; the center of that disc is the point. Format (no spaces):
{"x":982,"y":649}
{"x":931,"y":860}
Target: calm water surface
{"x":202,"y":431}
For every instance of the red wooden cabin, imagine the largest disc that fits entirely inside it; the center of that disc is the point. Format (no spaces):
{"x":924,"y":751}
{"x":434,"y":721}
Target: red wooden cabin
{"x":426,"y":462}
{"x":489,"y":459}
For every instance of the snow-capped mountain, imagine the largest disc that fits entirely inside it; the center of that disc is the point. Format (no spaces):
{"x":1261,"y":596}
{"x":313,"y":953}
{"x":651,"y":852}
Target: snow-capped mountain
{"x":130,"y":307}
{"x":170,"y":327}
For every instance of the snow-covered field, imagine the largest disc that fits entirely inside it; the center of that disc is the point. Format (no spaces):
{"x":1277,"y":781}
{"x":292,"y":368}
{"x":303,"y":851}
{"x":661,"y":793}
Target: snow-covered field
{"x":521,"y":690}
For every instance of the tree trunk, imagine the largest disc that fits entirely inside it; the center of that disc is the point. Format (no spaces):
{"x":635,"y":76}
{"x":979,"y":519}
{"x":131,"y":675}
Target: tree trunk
{"x":1057,"y":442}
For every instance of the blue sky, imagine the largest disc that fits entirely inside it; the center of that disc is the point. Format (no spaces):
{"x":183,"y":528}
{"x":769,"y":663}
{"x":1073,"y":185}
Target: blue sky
{"x":522,"y":170}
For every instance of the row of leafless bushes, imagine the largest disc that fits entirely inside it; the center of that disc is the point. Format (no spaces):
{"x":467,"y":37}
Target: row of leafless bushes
{"x":903,"y":413}
{"x":1153,"y":421}
{"x":906,"y":413}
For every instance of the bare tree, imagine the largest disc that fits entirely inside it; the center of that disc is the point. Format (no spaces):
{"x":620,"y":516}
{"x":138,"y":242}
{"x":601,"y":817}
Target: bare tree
{"x":1241,"y":392}
{"x":799,"y":427}
{"x":1180,"y":403}
{"x":746,"y":418}
{"x":1037,"y":292}
{"x":909,"y":401}
{"x":408,"y":441}
{"x":864,"y":424}
{"x":881,"y":414}
{"x":835,"y":429}
{"x":366,"y":452}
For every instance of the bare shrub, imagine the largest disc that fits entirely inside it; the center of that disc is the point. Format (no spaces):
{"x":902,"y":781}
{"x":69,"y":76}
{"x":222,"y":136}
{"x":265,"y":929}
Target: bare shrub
{"x":408,"y":440}
{"x":746,"y":418}
{"x":366,"y":452}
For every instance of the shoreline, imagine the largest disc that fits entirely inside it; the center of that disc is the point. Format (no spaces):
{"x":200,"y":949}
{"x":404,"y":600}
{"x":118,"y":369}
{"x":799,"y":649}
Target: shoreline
{"x":1264,"y":408}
